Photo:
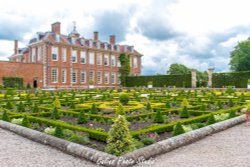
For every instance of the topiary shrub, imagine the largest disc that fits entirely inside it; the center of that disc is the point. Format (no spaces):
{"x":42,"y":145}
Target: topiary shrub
{"x":59,"y":132}
{"x":93,"y":109}
{"x":230,"y":103}
{"x":119,"y":110}
{"x":82,"y":118}
{"x":203,"y":107}
{"x":124,"y":98}
{"x":148,"y":106}
{"x":178,"y":129}
{"x":72,"y":105}
{"x":158,"y":117}
{"x":232,"y":114}
{"x":168,"y":105}
{"x":242,"y":97}
{"x":21,"y":107}
{"x":147,"y":141}
{"x":26,"y":122}
{"x":55,"y":114}
{"x":9,"y":105}
{"x":230,"y":90}
{"x":211,"y":120}
{"x":219,"y":105}
{"x":57,"y":103}
{"x":5,"y":116}
{"x":184,"y":113}
{"x":28,"y":86}
{"x":35,"y":108}
{"x":119,"y":140}
{"x":184,"y":103}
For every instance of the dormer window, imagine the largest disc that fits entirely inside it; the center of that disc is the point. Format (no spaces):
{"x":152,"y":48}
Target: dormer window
{"x":57,"y":37}
{"x":90,"y":44}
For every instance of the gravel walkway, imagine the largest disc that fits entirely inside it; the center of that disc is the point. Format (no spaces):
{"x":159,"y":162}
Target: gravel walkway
{"x":16,"y":151}
{"x":229,"y":148}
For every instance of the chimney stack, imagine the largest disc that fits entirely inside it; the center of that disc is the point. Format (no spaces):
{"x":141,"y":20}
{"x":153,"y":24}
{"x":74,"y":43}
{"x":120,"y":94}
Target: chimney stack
{"x":56,"y":27}
{"x":112,"y":39}
{"x":15,"y":46}
{"x":96,"y":36}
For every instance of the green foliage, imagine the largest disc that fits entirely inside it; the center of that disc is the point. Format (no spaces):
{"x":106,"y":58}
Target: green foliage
{"x":219,"y":104}
{"x":28,"y":86}
{"x":178,"y":69}
{"x":148,"y":107}
{"x":5,"y":116}
{"x":119,"y":139}
{"x":9,"y":105}
{"x":124,"y":98}
{"x":26,"y":122}
{"x":159,"y":80}
{"x":232,"y":114}
{"x":240,"y":57}
{"x":138,"y":144}
{"x":230,"y":103}
{"x":230,"y":90}
{"x":79,"y":139}
{"x":55,"y":114}
{"x":237,"y":79}
{"x":147,"y":141}
{"x":59,"y":132}
{"x":242,"y":97}
{"x":35,"y":108}
{"x":82,"y":118}
{"x":10,"y":91}
{"x":178,"y":129}
{"x":57,"y":103}
{"x":93,"y":109}
{"x":211,"y":119}
{"x":184,"y":113}
{"x":168,"y":105}
{"x":125,"y":67}
{"x":158,"y":117}
{"x":72,"y":105}
{"x":13,"y":82}
{"x":203,"y":107}
{"x":120,"y":110}
{"x":21,"y":107}
{"x":184,"y":103}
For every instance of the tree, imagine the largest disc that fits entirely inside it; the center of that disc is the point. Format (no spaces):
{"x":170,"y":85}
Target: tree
{"x":240,"y":57}
{"x":178,"y":69}
{"x":125,"y":67}
{"x":82,"y":118}
{"x":57,"y":103}
{"x":178,"y":129}
{"x":119,"y":140}
{"x":26,"y":122}
{"x":158,"y":117}
{"x":120,"y":110}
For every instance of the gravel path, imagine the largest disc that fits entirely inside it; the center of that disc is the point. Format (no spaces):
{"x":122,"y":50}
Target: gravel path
{"x":16,"y":151}
{"x":229,"y":148}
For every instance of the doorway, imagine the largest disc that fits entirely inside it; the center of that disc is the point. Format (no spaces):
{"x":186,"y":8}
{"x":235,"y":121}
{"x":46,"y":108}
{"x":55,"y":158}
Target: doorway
{"x":35,"y":83}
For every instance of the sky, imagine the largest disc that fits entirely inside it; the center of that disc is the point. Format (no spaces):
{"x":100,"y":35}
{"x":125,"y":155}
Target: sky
{"x":197,"y":33}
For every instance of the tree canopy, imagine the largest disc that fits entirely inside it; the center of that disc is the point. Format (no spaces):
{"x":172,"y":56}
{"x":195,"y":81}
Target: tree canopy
{"x":178,"y":69}
{"x":240,"y":57}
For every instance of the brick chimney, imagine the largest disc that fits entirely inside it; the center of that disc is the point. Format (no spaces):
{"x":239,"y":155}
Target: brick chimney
{"x":112,"y":39}
{"x":96,"y":36}
{"x":15,"y":46}
{"x":56,"y":27}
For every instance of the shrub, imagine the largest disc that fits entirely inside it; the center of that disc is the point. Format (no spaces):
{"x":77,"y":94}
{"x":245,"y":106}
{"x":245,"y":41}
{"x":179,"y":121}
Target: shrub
{"x":55,"y":114}
{"x":211,"y":119}
{"x":57,"y":103}
{"x":72,"y":105}
{"x":219,"y":105}
{"x":26,"y":122}
{"x":232,"y":114}
{"x":178,"y":129}
{"x":59,"y":132}
{"x":184,"y":103}
{"x":168,"y":105}
{"x":21,"y":107}
{"x":9,"y":105}
{"x":120,"y":110}
{"x":158,"y":117}
{"x":230,"y":90}
{"x":148,"y":107}
{"x":184,"y":113}
{"x":124,"y":98}
{"x":28,"y":86}
{"x":79,"y":139}
{"x":93,"y":109}
{"x":203,"y":107}
{"x":50,"y":130}
{"x":148,"y":141}
{"x":230,"y":103}
{"x":36,"y":108}
{"x":242,"y":97}
{"x":119,"y":140}
{"x":17,"y":121}
{"x":138,"y":144}
{"x":5,"y":116}
{"x":82,"y":118}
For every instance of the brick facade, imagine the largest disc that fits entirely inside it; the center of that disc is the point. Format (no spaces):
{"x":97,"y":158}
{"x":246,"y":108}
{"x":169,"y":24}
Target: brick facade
{"x":71,"y":61}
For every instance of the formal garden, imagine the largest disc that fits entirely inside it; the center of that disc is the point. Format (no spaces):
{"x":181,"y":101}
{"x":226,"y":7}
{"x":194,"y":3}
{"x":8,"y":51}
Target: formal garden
{"x":120,"y":121}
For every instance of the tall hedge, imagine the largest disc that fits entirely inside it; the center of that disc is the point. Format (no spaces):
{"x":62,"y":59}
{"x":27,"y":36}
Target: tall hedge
{"x":13,"y":82}
{"x":237,"y":79}
{"x":160,"y":80}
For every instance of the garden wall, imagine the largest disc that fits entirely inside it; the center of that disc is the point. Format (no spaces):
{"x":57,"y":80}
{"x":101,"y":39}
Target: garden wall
{"x":237,"y":79}
{"x":160,"y":80}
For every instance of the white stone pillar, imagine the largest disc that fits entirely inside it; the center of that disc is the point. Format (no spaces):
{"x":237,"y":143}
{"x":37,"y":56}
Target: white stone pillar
{"x":210,"y":75}
{"x":194,"y":80}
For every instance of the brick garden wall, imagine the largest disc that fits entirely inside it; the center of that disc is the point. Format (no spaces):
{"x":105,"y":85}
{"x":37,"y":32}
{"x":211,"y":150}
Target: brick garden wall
{"x":28,"y":71}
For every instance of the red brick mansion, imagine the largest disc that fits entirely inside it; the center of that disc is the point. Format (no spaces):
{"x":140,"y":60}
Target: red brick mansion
{"x":54,"y":60}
